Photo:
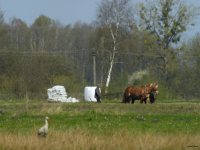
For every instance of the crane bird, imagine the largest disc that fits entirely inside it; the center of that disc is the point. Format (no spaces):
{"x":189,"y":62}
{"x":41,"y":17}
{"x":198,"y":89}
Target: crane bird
{"x":43,"y":131}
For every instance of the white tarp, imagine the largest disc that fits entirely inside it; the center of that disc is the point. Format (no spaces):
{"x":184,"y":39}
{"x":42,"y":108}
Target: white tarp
{"x":58,"y":93}
{"x":89,"y":94}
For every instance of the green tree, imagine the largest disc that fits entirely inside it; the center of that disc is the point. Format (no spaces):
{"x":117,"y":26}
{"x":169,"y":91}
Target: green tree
{"x":191,"y":64}
{"x":19,"y":35}
{"x":161,"y":25}
{"x":3,"y":31}
{"x":192,"y":52}
{"x":41,"y":35}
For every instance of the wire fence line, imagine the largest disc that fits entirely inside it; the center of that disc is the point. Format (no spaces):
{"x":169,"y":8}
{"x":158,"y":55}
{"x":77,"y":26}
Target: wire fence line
{"x":85,"y":51}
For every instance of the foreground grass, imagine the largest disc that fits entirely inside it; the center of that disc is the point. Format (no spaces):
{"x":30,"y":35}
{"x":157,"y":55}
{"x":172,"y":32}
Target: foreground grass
{"x":178,"y":101}
{"x":79,"y":139}
{"x":100,"y":126}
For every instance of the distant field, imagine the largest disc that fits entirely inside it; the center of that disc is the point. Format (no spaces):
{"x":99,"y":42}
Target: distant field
{"x":109,"y":125}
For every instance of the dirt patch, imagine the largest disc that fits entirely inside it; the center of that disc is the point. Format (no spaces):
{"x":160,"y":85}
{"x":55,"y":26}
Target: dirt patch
{"x":2,"y":112}
{"x":15,"y":118}
{"x":140,"y":119}
{"x":192,"y":108}
{"x":155,"y":121}
{"x":77,"y":109}
{"x":179,"y":119}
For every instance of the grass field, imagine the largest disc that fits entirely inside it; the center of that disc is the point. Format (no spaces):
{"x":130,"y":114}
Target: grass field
{"x":109,"y":125}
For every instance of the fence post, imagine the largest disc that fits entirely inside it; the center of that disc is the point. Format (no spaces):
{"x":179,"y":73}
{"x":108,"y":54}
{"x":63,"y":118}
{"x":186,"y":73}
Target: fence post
{"x":94,"y":67}
{"x":26,"y":99}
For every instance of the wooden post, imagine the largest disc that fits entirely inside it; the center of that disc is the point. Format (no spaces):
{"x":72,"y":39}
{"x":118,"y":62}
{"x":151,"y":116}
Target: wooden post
{"x":26,"y":99}
{"x":94,"y":67}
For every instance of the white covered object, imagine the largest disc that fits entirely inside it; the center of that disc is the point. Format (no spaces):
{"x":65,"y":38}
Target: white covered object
{"x":58,"y":93}
{"x":89,"y":94}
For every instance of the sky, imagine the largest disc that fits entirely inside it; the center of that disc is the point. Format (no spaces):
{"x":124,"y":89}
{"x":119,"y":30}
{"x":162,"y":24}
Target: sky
{"x":66,"y":11}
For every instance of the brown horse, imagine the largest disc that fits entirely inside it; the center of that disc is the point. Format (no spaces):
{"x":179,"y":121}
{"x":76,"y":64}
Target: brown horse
{"x":140,"y":93}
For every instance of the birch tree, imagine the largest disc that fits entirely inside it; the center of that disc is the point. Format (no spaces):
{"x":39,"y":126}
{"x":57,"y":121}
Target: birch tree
{"x":113,"y":14}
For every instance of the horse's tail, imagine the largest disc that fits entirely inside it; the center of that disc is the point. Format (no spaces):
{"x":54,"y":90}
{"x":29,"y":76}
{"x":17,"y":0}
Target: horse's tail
{"x":124,"y":96}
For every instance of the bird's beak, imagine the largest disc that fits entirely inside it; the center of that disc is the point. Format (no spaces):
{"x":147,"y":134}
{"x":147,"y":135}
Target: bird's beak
{"x":48,"y":120}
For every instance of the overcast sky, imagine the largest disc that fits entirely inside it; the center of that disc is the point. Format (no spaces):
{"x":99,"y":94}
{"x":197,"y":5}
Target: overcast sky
{"x":66,"y":11}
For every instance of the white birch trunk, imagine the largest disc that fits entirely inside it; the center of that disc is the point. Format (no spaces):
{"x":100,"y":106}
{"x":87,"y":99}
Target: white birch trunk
{"x":113,"y":56}
{"x":114,"y":36}
{"x":109,"y":73}
{"x":116,"y":15}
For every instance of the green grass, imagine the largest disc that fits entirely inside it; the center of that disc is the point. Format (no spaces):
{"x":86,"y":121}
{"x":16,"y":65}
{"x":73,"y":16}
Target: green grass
{"x":178,"y":101}
{"x":102,"y":101}
{"x":20,"y":101}
{"x":102,"y":118}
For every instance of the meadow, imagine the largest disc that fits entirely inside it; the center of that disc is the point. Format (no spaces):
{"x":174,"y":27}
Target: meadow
{"x":109,"y":125}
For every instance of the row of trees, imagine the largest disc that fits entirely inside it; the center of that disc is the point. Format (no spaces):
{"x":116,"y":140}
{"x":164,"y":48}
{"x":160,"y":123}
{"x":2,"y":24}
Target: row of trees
{"x":127,"y":41}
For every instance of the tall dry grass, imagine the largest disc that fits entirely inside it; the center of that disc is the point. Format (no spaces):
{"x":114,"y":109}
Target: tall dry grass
{"x":121,"y":140}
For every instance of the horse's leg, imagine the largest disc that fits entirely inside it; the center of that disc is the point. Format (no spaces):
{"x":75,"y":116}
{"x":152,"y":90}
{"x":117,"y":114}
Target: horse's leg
{"x":148,"y":99}
{"x":133,"y":100}
{"x":124,"y":100}
{"x":127,"y":100}
{"x":144,"y":100}
{"x":141,"y":100}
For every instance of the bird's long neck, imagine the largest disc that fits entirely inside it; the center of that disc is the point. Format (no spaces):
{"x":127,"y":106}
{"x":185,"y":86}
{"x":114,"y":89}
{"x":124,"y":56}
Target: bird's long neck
{"x":46,"y":123}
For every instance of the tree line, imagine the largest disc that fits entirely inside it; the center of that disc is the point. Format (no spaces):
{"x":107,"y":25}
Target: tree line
{"x":134,"y":45}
